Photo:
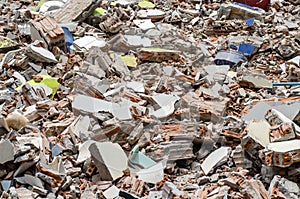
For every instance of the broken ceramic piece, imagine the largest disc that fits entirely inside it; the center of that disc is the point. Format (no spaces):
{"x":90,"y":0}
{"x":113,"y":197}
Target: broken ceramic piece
{"x":145,"y":24}
{"x":151,"y":14}
{"x":138,"y":158}
{"x":111,"y":192}
{"x":84,"y":152}
{"x":240,"y":11}
{"x":88,"y":42}
{"x":40,"y":54}
{"x":110,"y":166}
{"x":136,"y":86}
{"x":255,"y":81}
{"x":259,"y":131}
{"x":166,"y":103}
{"x":152,"y":174}
{"x":217,"y":157}
{"x":49,"y":7}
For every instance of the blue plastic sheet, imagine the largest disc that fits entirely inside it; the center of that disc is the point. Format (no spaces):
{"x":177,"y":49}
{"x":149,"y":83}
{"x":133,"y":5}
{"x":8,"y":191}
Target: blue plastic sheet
{"x":229,"y":58}
{"x":286,"y":84}
{"x":247,"y":49}
{"x":249,"y":22}
{"x":68,"y":37}
{"x":233,"y":47}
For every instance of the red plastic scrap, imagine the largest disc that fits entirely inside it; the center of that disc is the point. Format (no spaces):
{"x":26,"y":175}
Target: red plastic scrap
{"x":263,"y":4}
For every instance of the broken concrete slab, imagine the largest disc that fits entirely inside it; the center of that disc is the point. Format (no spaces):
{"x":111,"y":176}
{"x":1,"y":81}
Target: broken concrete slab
{"x":90,"y":104}
{"x":31,"y":180}
{"x":136,"y":86}
{"x":76,"y":11}
{"x":46,"y":29}
{"x":288,"y":107}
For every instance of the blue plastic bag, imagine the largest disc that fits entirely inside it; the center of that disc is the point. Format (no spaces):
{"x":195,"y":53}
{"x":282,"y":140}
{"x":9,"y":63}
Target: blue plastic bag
{"x":68,"y":37}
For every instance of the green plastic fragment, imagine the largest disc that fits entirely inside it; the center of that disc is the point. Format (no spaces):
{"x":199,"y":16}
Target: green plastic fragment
{"x":47,"y":80}
{"x":99,"y":12}
{"x":146,"y":4}
{"x":140,"y":159}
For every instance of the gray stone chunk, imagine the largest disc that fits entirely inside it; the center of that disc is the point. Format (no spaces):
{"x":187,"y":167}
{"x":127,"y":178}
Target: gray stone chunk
{"x":7,"y":151}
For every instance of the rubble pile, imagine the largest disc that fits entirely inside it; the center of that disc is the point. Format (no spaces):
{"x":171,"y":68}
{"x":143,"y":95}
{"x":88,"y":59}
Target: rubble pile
{"x":150,"y":99}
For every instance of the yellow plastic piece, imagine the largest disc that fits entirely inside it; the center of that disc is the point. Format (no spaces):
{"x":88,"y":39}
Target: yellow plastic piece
{"x":47,"y":80}
{"x":129,"y":60}
{"x":38,"y":6}
{"x":113,"y":3}
{"x":99,"y":12}
{"x":146,"y":4}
